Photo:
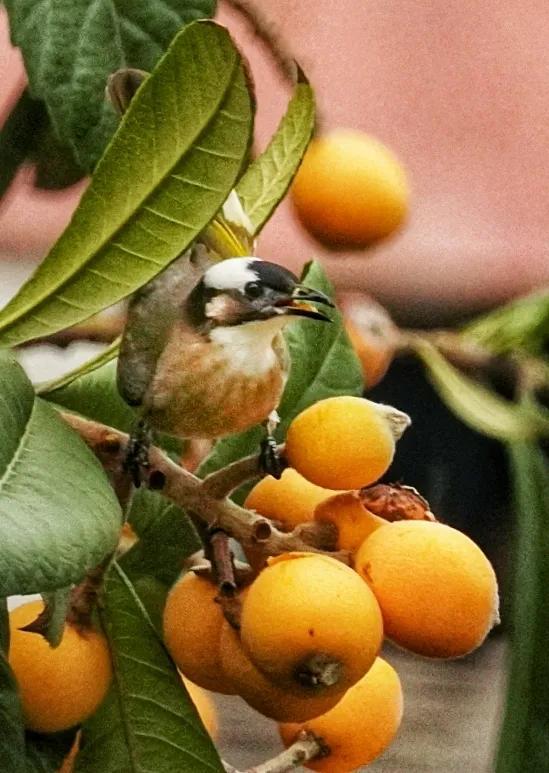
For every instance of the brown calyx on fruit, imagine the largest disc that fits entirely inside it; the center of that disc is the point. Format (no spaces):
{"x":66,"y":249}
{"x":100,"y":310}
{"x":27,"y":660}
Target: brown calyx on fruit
{"x":395,"y":502}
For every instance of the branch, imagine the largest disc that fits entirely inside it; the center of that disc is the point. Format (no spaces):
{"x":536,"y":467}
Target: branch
{"x":188,"y":492}
{"x":513,"y":371}
{"x":306,"y":747}
{"x":221,"y":483}
{"x":267,"y":32}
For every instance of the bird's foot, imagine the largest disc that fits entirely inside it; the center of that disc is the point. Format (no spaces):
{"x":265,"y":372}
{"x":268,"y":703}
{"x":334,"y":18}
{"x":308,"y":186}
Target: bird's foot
{"x":137,"y":453}
{"x":270,"y":460}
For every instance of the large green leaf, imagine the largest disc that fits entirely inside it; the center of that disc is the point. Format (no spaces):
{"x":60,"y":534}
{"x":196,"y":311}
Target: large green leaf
{"x":61,"y":41}
{"x":147,"y":723}
{"x":478,"y":406}
{"x":58,"y":514}
{"x":268,"y":178}
{"x":166,"y":538}
{"x":93,"y":393}
{"x":12,"y":738}
{"x":524,"y":742}
{"x":323,"y":364}
{"x":167,"y":171}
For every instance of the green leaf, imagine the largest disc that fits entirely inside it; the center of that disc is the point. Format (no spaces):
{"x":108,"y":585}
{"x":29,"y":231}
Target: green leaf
{"x":58,"y":514}
{"x":323,"y":364}
{"x":166,"y":538}
{"x":166,"y":173}
{"x":61,"y":41}
{"x":16,"y":137}
{"x":476,"y":405}
{"x":12,"y":739}
{"x":56,"y":605}
{"x":521,"y":324}
{"x":268,"y":178}
{"x":523,"y":741}
{"x":146,"y":723}
{"x":95,"y":396}
{"x":91,"y":391}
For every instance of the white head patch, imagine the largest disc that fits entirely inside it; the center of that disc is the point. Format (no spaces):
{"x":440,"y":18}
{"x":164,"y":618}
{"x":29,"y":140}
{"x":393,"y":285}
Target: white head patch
{"x":231,"y":274}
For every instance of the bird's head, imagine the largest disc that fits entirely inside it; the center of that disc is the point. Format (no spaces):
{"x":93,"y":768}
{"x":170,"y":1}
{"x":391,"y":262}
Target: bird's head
{"x":242,"y":290}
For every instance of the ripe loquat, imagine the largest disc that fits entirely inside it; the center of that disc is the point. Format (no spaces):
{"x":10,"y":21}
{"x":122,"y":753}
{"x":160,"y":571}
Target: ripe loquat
{"x":309,"y":625}
{"x":360,"y":727}
{"x":344,"y":442}
{"x":192,"y":626}
{"x":436,"y":589}
{"x":350,"y":190}
{"x":373,"y":334}
{"x":289,"y":501}
{"x":353,"y":521}
{"x":61,"y":686}
{"x":262,"y":694}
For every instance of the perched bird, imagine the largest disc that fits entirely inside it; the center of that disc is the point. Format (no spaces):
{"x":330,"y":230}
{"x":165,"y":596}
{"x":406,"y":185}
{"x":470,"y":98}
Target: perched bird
{"x":211,"y":362}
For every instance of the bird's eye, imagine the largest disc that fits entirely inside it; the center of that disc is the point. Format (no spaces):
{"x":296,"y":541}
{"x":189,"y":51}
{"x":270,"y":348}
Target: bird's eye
{"x":253,"y":289}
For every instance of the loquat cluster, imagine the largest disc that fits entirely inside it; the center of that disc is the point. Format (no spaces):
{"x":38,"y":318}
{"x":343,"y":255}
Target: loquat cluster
{"x":305,"y":651}
{"x":304,"y":646}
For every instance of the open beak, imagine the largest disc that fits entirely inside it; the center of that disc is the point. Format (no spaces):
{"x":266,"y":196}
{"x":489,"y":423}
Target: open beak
{"x":300,"y":303}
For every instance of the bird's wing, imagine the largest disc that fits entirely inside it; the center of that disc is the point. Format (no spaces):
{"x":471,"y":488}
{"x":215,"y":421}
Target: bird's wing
{"x":151,"y":314}
{"x":155,"y":307}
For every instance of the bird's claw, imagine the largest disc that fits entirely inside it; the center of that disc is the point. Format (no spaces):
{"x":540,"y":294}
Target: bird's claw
{"x":137,"y":454}
{"x":270,"y":460}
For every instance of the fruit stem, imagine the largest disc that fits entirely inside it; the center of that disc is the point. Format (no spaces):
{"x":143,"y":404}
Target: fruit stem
{"x":306,"y":747}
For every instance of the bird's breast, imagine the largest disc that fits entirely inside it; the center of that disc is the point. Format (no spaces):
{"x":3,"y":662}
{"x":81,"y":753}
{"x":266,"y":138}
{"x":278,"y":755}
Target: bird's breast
{"x":213,"y":388}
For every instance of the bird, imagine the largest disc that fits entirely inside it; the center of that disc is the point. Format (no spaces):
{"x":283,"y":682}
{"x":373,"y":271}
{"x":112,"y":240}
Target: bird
{"x":212,"y":361}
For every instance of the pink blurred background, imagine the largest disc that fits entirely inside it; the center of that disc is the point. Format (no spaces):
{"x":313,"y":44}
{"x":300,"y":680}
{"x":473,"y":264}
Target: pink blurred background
{"x":457,"y":89}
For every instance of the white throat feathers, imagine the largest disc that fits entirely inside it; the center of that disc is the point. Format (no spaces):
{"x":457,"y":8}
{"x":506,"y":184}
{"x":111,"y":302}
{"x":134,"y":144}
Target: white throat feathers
{"x":249,"y":347}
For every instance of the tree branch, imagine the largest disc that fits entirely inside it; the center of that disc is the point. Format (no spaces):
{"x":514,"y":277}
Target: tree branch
{"x":306,"y":747}
{"x":187,"y":491}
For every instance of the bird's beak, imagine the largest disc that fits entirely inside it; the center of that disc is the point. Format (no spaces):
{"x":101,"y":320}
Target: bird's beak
{"x":300,"y":303}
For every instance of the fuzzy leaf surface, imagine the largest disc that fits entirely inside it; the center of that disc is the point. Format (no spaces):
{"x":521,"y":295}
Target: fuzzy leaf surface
{"x":60,"y":40}
{"x":323,"y":364}
{"x":267,"y":179}
{"x":58,"y":514}
{"x":524,"y":735}
{"x":146,"y":723}
{"x":167,"y":171}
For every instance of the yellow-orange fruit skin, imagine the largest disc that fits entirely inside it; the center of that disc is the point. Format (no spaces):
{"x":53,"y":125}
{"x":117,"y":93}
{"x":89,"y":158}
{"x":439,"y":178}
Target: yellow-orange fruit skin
{"x":350,"y":190}
{"x":290,"y":500}
{"x":353,"y":521}
{"x":341,"y":443}
{"x":305,"y":606}
{"x":360,"y":727}
{"x":61,"y":686}
{"x":262,"y":694}
{"x":437,"y":590}
{"x":192,"y":627}
{"x":204,"y":705}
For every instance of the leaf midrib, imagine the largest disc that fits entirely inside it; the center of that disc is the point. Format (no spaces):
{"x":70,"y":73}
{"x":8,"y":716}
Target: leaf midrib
{"x":53,"y":289}
{"x":10,"y":468}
